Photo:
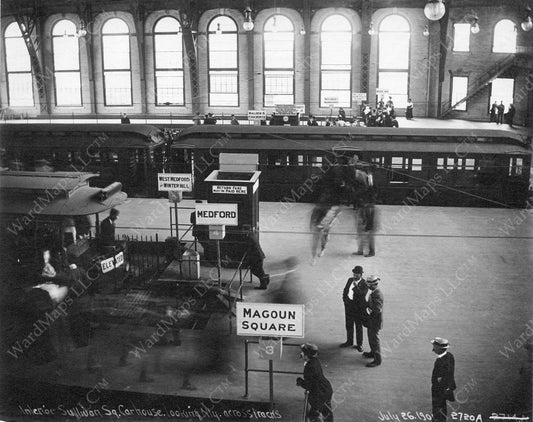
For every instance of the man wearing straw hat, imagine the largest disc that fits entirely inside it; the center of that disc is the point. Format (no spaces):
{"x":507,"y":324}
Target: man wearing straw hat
{"x":374,"y":323}
{"x":442,"y":379}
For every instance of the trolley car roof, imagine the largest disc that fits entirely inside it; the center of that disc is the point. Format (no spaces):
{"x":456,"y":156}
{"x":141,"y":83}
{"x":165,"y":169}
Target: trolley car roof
{"x":364,"y":139}
{"x":54,"y":193}
{"x":68,"y":135}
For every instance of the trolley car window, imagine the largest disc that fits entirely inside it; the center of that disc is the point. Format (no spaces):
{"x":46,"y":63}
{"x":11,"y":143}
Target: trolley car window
{"x":440,"y":163}
{"x":515,"y":166}
{"x":416,"y":164}
{"x":399,"y":163}
{"x":470,"y":164}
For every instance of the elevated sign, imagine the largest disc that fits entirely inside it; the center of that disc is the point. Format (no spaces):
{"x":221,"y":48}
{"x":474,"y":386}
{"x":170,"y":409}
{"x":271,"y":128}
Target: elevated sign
{"x":217,"y":214}
{"x":256,"y":115}
{"x":174,"y":181}
{"x":270,"y":319}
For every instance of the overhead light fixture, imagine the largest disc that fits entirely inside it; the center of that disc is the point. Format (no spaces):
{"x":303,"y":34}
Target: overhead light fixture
{"x":527,"y":24}
{"x":274,"y":26}
{"x":474,"y":26}
{"x":302,"y":30}
{"x":82,"y":31}
{"x":371,"y":29}
{"x":248,"y":24}
{"x":218,"y":31}
{"x":426,"y":31}
{"x":434,"y":10}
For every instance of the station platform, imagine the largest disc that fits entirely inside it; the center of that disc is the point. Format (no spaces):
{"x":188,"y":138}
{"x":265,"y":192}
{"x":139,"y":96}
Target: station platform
{"x":459,"y":273}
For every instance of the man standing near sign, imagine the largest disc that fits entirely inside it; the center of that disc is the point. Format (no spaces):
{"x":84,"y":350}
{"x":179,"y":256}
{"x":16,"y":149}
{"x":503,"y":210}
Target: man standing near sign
{"x":314,"y":381}
{"x":353,"y":297}
{"x":374,"y":309}
{"x":255,"y":257}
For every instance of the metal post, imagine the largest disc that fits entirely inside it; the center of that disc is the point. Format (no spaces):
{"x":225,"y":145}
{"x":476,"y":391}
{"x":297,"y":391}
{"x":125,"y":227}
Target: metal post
{"x":177,"y":225}
{"x":218,"y":262}
{"x":170,"y":218}
{"x":271,"y":382}
{"x":245,"y":369}
{"x":304,"y":413}
{"x":157,"y":250}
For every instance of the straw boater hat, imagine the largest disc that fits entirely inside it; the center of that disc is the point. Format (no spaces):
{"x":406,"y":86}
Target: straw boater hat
{"x":309,"y":349}
{"x":372,"y":280}
{"x":440,"y":342}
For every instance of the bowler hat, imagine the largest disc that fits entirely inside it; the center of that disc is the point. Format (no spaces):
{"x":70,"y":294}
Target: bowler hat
{"x":309,"y":349}
{"x":357,"y":269}
{"x":372,"y":280}
{"x":440,"y":342}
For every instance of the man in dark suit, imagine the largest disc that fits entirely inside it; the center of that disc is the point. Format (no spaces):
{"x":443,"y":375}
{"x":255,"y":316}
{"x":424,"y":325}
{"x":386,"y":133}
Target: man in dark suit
{"x":442,"y":379}
{"x":316,"y":384}
{"x":107,"y":228}
{"x":353,"y":297}
{"x":255,"y":257}
{"x":374,"y":310}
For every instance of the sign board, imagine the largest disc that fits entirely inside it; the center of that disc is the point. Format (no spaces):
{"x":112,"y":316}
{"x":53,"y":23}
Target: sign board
{"x":257,"y":115}
{"x":234,"y":190}
{"x":108,"y":264}
{"x":119,"y":259}
{"x":287,"y":109}
{"x":270,"y":348}
{"x":382,"y":91}
{"x":299,"y":108}
{"x":270,"y":319}
{"x":331,"y":100}
{"x":174,"y":181}
{"x":217,"y":214}
{"x":358,"y":96}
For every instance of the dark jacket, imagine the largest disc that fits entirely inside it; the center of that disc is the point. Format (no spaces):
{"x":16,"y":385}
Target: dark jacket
{"x":444,"y":370}
{"x":316,"y":383}
{"x":254,"y":252}
{"x":107,"y":232}
{"x":358,"y":304}
{"x":369,"y":215}
{"x":375,"y":304}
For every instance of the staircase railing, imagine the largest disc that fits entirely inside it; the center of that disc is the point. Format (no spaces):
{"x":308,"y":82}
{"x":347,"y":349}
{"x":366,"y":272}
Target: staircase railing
{"x":481,"y":82}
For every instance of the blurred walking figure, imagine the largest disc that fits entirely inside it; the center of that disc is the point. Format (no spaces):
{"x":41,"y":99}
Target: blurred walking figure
{"x":366,"y":227}
{"x":322,"y":218}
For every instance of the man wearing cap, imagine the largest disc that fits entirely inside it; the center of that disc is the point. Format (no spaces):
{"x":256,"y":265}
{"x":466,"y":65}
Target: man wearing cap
{"x":314,"y":381}
{"x":374,"y":310}
{"x":353,"y":297}
{"x":442,"y":379}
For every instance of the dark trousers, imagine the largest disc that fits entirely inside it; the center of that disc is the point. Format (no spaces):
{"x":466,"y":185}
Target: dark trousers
{"x":373,"y":341}
{"x":325,"y":410}
{"x":351,"y":319}
{"x":500,"y":118}
{"x":256,"y":267}
{"x":438,"y":404}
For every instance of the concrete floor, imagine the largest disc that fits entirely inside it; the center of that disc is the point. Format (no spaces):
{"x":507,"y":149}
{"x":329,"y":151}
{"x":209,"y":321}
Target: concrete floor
{"x":459,"y":273}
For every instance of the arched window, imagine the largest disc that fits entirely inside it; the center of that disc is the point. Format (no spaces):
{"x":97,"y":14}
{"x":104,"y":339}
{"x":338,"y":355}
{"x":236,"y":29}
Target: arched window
{"x":223,"y":62}
{"x":504,"y":37}
{"x":278,"y":68}
{"x":336,"y":62}
{"x":168,"y":50}
{"x":19,"y":76}
{"x":67,"y":77}
{"x":393,"y":58}
{"x":116,"y":60}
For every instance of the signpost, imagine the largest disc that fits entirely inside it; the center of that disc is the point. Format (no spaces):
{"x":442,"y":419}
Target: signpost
{"x":217,"y":214}
{"x":174,"y":181}
{"x":358,"y":97}
{"x":233,"y":190}
{"x":270,"y":319}
{"x":256,"y":115}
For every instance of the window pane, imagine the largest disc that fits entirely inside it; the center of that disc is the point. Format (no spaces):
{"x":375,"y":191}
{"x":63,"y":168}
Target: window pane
{"x":504,"y":37}
{"x":502,"y":90}
{"x":396,"y":83}
{"x":169,"y":85}
{"x":17,"y":56}
{"x":279,"y":82}
{"x":223,"y":100}
{"x":335,"y":80}
{"x":272,"y":100}
{"x":222,"y":59}
{"x":342,"y":98}
{"x":66,"y":53}
{"x":394,"y":23}
{"x":336,"y":23}
{"x":416,"y":164}
{"x":223,"y":82}
{"x":461,"y":37}
{"x":168,"y":51}
{"x":117,"y":88}
{"x":279,"y":49}
{"x":115,"y":26}
{"x":20,"y":89}
{"x":224,"y":23}
{"x":116,"y":52}
{"x":68,"y":88}
{"x":394,"y":50}
{"x":459,"y":91}
{"x":279,"y":23}
{"x":167,"y":24}
{"x":64,"y":27}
